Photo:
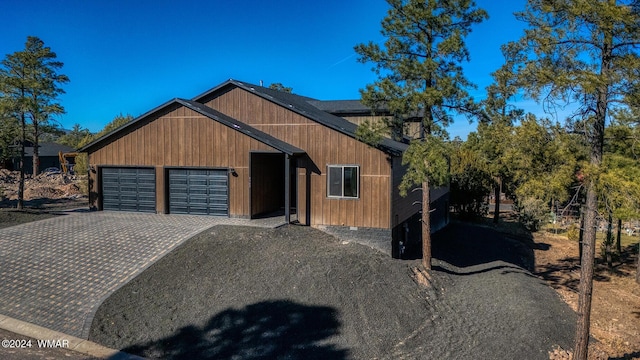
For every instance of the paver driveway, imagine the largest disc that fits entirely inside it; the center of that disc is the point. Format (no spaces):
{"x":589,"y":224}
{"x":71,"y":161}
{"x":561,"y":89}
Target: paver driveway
{"x":56,"y":272}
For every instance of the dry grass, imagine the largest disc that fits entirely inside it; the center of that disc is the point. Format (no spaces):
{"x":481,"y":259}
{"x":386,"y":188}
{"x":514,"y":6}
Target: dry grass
{"x":615,"y":313}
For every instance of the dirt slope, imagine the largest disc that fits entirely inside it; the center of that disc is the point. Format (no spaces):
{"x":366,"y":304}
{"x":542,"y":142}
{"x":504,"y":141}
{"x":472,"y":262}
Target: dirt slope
{"x":43,"y":188}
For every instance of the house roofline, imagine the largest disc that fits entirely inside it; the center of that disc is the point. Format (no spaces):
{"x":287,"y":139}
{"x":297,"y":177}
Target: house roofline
{"x":209,"y":113}
{"x":242,"y":127}
{"x":131,"y":123}
{"x":332,"y":121}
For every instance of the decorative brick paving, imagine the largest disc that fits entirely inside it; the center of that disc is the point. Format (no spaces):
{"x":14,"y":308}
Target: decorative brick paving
{"x":56,"y":272}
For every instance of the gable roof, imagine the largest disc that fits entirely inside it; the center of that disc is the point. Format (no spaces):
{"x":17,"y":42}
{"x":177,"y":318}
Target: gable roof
{"x":211,"y":114}
{"x":303,"y":106}
{"x":242,"y":127}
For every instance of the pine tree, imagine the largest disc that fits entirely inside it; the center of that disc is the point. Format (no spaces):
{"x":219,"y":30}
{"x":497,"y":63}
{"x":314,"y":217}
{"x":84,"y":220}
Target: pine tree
{"x":13,"y":88}
{"x":419,"y":74}
{"x":280,"y":87}
{"x":619,"y":189}
{"x":74,"y":137}
{"x":541,"y":159}
{"x":43,"y":84}
{"x":9,"y":130}
{"x":584,"y":52}
{"x":29,"y":85}
{"x":471,"y":181}
{"x":118,"y":121}
{"x":495,"y":128}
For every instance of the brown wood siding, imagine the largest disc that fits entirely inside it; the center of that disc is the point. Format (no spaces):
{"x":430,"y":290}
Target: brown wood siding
{"x":324,"y":146}
{"x":183,"y":138}
{"x":161,"y":203}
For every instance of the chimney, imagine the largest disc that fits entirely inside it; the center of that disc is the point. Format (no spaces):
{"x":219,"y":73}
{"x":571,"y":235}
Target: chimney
{"x":261,"y":83}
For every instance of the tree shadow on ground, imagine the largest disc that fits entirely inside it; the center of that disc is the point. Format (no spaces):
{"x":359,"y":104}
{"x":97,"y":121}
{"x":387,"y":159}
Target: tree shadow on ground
{"x":265,"y":330}
{"x":565,"y":273}
{"x":45,"y":203}
{"x":629,"y":356}
{"x":479,"y":249}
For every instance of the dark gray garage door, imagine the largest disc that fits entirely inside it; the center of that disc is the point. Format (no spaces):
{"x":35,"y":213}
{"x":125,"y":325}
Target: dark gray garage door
{"x":199,"y":191}
{"x":129,"y":189}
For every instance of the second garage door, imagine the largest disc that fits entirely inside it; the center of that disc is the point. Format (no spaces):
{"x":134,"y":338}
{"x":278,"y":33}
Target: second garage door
{"x":199,"y":191}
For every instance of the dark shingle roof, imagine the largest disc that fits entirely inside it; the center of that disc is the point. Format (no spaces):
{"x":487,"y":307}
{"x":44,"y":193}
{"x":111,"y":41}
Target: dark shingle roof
{"x":302,"y":106}
{"x":48,"y":149}
{"x":342,"y":106}
{"x":356,"y":107}
{"x":211,"y":114}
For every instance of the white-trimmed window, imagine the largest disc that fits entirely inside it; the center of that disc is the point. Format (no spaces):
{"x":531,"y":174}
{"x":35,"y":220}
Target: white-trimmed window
{"x":343,"y":181}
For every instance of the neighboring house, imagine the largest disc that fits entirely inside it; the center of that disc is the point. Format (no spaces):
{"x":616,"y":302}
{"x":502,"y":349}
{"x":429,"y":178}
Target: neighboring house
{"x":242,"y":150}
{"x":48,"y":155}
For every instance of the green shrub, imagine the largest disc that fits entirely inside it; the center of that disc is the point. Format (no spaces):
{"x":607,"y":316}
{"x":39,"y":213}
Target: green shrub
{"x":532,"y":213}
{"x":82,"y":164}
{"x":468,"y":195}
{"x":81,"y":168}
{"x":573,"y":233}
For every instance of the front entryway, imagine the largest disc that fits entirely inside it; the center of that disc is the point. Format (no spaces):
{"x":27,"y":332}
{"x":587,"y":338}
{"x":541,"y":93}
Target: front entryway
{"x":267,"y":183}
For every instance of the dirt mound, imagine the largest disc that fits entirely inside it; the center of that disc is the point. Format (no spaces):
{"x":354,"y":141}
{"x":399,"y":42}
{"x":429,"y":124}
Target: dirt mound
{"x":42,"y":186}
{"x":296,"y":293}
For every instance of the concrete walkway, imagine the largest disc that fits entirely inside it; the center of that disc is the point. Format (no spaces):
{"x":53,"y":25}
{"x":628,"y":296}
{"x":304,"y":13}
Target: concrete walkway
{"x":55,"y":273}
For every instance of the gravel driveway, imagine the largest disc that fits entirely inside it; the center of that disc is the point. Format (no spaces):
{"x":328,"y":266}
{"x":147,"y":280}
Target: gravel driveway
{"x":294,"y":292}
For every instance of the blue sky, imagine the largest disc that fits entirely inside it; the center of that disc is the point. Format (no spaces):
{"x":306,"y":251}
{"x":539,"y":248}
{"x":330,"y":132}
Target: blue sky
{"x":131,"y":56}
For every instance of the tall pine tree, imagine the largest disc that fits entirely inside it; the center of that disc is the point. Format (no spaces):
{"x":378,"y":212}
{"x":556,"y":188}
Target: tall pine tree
{"x":13,"y":88}
{"x":9,"y":130}
{"x":495,"y":127}
{"x":581,"y":52}
{"x":30,"y":86}
{"x":420,"y":75}
{"x":44,"y":82}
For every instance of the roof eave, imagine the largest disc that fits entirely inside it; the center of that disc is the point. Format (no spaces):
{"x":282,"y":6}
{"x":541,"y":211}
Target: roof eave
{"x":131,"y":123}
